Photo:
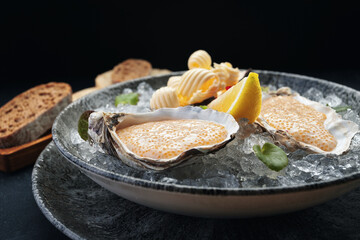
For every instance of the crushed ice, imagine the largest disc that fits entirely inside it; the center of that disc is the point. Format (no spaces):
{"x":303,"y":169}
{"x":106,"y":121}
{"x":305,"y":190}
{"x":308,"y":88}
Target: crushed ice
{"x":234,"y":166}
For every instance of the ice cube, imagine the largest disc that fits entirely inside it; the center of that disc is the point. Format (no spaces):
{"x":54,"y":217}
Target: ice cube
{"x":75,"y":137}
{"x":255,"y":139}
{"x":127,"y":90}
{"x":349,"y":163}
{"x":313,"y":94}
{"x":235,"y":165}
{"x":109,"y":108}
{"x":355,"y":143}
{"x":352,"y":116}
{"x":331,"y":100}
{"x":145,"y":91}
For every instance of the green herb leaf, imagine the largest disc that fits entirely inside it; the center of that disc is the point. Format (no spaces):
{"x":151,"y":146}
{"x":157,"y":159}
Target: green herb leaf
{"x":265,"y":89}
{"x":273,"y":156}
{"x":127,"y":98}
{"x":83,"y":124}
{"x":203,"y":106}
{"x":341,"y":108}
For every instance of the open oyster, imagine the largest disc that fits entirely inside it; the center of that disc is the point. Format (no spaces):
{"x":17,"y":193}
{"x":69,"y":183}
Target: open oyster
{"x":298,"y":122}
{"x":106,"y":129}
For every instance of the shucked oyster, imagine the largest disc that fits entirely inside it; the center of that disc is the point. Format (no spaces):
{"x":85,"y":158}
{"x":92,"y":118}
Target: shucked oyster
{"x":297,"y":122}
{"x":126,"y":136}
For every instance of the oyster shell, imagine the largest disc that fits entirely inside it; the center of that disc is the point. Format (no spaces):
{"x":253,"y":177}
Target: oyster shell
{"x":341,"y":130}
{"x":103,"y":126}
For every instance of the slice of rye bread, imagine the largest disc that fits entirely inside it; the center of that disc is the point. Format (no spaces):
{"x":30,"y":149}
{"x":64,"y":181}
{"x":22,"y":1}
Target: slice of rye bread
{"x":130,"y":69}
{"x":31,"y":113}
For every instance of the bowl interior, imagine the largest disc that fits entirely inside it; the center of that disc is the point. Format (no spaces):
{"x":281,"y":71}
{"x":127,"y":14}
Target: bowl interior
{"x":65,"y":126}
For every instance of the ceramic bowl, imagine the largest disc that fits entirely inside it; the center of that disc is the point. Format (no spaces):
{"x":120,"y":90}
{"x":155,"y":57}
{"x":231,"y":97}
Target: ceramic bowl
{"x":200,"y":200}
{"x":82,"y":209}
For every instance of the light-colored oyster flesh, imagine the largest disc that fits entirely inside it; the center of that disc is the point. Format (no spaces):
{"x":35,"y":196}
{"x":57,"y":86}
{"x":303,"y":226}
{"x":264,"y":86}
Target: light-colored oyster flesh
{"x":342,"y":130}
{"x":103,"y":127}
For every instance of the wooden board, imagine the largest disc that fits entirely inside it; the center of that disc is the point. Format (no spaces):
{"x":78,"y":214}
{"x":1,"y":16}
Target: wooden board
{"x":14,"y":158}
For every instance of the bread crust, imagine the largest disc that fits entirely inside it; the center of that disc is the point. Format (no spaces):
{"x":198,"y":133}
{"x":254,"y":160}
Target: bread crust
{"x":130,"y":69}
{"x":104,"y":79}
{"x":83,"y":92}
{"x":31,"y":113}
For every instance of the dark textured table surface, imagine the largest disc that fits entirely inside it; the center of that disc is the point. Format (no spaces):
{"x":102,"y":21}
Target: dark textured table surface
{"x":20,"y":217}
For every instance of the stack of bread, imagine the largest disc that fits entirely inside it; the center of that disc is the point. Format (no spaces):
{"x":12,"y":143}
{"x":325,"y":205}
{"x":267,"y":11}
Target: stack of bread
{"x":124,"y":71}
{"x":31,"y":113}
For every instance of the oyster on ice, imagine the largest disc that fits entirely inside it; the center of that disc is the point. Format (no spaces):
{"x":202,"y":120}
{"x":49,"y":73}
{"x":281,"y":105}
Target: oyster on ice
{"x":105,"y":129}
{"x":298,"y":122}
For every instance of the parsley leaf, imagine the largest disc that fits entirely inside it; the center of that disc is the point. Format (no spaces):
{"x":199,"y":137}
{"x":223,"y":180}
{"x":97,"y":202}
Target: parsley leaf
{"x":83,"y":125}
{"x":272,"y":156}
{"x":127,"y":98}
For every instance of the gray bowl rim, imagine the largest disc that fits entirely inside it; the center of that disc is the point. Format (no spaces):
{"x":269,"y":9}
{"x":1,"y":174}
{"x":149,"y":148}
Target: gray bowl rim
{"x":39,"y":194}
{"x":171,"y":187}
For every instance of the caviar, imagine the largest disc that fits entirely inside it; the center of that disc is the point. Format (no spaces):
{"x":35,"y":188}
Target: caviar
{"x":302,"y":122}
{"x":169,"y":138}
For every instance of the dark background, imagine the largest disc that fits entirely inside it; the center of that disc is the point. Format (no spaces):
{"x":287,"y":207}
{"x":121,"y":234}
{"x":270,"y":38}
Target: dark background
{"x":73,"y":41}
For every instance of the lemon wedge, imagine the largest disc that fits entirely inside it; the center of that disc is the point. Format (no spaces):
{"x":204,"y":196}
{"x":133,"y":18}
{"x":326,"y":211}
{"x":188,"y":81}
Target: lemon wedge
{"x":243,"y":100}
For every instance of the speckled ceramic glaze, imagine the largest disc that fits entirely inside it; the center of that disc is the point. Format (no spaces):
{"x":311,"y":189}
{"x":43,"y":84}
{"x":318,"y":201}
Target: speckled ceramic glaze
{"x":82,"y":209}
{"x":202,"y":201}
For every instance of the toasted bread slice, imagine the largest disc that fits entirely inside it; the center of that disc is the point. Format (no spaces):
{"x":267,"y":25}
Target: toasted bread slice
{"x":104,"y":79}
{"x":31,"y":113}
{"x":130,"y":69}
{"x":157,"y":71}
{"x":83,"y":92}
